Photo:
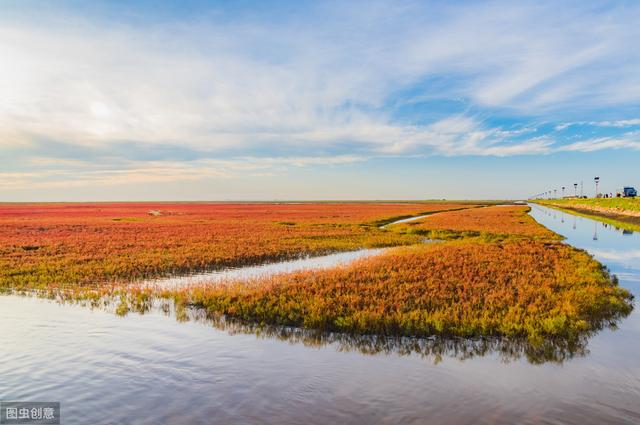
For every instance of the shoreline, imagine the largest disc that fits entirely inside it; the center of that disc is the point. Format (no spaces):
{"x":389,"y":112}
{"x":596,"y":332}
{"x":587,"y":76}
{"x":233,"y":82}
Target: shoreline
{"x":618,"y":219}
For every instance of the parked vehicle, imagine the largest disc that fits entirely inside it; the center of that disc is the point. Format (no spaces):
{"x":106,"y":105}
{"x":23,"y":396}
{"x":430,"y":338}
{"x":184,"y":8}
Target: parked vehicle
{"x":629,"y":192}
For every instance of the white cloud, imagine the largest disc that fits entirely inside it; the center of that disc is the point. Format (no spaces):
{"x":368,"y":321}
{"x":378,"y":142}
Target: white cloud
{"x":270,"y":96}
{"x":597,"y":144}
{"x":630,"y":257}
{"x":619,"y":123}
{"x":616,"y":124}
{"x":61,"y":173}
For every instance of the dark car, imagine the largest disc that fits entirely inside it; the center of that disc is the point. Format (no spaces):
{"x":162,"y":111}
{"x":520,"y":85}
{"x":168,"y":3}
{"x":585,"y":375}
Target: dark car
{"x":629,"y":192}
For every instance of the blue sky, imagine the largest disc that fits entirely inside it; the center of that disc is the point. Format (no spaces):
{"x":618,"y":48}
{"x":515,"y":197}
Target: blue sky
{"x":197,"y":100}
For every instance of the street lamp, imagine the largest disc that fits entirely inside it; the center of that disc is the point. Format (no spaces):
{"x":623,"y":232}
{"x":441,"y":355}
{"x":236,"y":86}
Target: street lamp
{"x":597,"y":180}
{"x":575,"y":188}
{"x":563,"y":191}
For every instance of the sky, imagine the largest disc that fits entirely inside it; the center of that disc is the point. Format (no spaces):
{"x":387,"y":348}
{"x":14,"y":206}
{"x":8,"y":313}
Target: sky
{"x":276,"y":100}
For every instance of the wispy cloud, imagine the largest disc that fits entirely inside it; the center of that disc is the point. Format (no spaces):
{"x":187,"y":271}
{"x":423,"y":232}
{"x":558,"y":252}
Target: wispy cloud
{"x":340,"y":83}
{"x":593,"y":145}
{"x":60,"y":173}
{"x":616,"y":124}
{"x":224,"y":85}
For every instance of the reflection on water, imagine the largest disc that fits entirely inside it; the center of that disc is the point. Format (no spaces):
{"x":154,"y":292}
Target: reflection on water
{"x":435,"y":348}
{"x":556,"y":350}
{"x":150,"y":369}
{"x":616,"y":247}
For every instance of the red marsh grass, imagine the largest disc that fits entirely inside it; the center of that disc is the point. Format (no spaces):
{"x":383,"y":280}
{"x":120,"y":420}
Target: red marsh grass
{"x":498,"y":273}
{"x":43,"y":246}
{"x":503,"y":275}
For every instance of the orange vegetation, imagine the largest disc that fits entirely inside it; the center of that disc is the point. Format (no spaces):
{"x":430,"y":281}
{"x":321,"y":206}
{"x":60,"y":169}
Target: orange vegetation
{"x":66,"y":245}
{"x":522,"y":283}
{"x":503,"y":220}
{"x":523,"y":287}
{"x":498,"y":272}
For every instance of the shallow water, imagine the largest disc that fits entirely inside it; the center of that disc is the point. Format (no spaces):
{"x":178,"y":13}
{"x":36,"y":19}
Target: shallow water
{"x":263,"y":270}
{"x":152,"y":369}
{"x":406,"y":220}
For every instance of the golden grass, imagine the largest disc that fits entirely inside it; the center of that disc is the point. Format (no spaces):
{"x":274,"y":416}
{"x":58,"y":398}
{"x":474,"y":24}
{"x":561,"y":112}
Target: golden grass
{"x":528,"y":288}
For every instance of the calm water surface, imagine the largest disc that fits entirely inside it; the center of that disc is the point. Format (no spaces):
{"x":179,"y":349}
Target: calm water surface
{"x":152,"y":369}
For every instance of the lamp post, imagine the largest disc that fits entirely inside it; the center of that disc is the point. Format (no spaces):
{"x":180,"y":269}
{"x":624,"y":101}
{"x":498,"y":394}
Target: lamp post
{"x":575,"y":189}
{"x":597,"y":180}
{"x":563,"y":191}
